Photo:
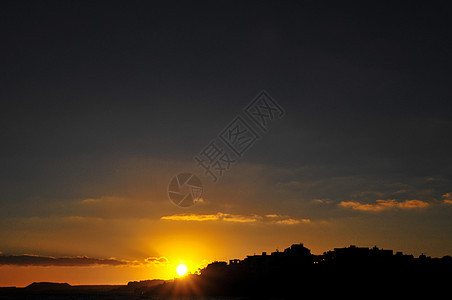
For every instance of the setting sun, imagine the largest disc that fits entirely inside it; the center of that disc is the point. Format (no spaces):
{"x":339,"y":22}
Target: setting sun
{"x":181,"y":270}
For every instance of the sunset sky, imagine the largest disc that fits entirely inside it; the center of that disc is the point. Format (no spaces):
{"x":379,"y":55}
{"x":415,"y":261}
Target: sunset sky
{"x":103,"y":103}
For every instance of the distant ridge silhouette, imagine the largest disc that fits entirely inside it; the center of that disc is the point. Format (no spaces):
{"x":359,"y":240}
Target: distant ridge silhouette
{"x":45,"y":286}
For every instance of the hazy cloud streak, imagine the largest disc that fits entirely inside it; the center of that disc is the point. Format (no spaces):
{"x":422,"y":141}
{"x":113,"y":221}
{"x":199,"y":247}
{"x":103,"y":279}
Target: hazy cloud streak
{"x":36,"y":260}
{"x":156,"y":260}
{"x":225,"y":217}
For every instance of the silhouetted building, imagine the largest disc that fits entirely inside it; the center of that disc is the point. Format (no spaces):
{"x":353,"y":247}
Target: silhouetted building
{"x":215,"y":269}
{"x":298,"y":250}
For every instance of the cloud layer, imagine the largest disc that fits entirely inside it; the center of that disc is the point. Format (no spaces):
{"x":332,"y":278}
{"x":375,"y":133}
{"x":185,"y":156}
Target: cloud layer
{"x":156,"y":260}
{"x":380,"y":205}
{"x":235,"y":218}
{"x":76,"y":261}
{"x":447,"y":198}
{"x":36,"y":260}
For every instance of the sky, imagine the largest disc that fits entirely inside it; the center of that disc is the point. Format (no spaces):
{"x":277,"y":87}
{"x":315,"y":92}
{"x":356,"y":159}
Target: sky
{"x":102,"y":103}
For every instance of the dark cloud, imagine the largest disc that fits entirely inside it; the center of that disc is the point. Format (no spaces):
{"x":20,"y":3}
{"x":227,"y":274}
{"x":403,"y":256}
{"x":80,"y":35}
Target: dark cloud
{"x":78,"y":261}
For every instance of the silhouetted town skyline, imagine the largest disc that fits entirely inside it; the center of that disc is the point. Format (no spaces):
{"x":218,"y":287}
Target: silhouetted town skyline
{"x":298,"y":254}
{"x":348,"y":254}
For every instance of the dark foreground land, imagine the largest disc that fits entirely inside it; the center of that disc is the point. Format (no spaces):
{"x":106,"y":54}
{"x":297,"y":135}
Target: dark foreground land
{"x":295,"y":273}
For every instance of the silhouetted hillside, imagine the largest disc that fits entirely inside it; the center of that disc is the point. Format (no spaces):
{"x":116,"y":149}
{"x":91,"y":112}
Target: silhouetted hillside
{"x":295,"y":273}
{"x":52,"y":290}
